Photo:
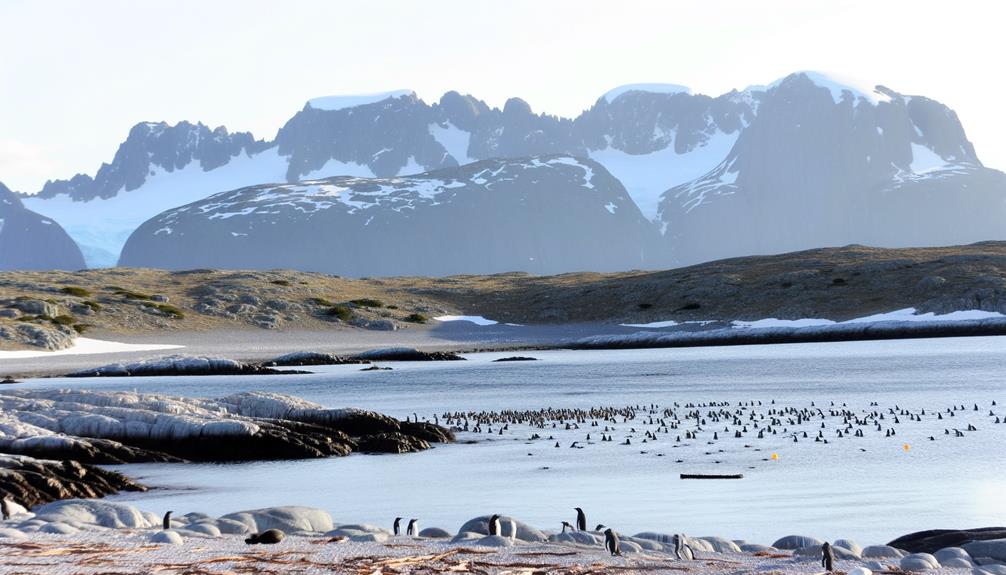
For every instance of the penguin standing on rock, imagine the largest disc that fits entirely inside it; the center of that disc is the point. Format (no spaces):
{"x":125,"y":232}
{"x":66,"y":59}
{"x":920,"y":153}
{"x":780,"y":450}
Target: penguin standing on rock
{"x":679,"y":547}
{"x":494,"y":525}
{"x":167,"y":520}
{"x":398,"y":526}
{"x":413,"y":529}
{"x":611,"y":543}
{"x":827,"y":557}
{"x":566,"y":524}
{"x":4,"y":509}
{"x":581,"y":519}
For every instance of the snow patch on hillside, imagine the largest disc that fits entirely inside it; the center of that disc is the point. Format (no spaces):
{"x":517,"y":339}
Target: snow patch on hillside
{"x":613,"y":94}
{"x":332,"y":103}
{"x":454,"y":140}
{"x":87,"y":346}
{"x":647,"y":176}
{"x":102,"y":226}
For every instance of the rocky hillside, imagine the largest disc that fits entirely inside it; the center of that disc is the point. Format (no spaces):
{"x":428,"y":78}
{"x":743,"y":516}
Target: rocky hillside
{"x":833,"y":283}
{"x":546,"y":214}
{"x":29,"y":241}
{"x":803,"y":162}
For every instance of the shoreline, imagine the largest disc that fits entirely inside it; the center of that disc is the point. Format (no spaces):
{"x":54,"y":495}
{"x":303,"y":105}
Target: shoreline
{"x":253,"y":346}
{"x":129,"y":539}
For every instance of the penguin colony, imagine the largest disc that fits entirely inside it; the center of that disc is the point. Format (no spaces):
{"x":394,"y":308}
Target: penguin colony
{"x":754,"y":423}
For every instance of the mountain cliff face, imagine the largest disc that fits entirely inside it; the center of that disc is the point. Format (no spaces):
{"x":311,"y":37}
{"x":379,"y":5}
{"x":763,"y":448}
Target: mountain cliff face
{"x":543,"y":214}
{"x":801,"y":163}
{"x":29,"y":241}
{"x":822,"y":165}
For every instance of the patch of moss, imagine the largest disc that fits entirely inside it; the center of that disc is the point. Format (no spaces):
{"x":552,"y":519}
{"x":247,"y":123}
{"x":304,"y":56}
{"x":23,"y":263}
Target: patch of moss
{"x":392,"y":307}
{"x":76,"y":291}
{"x":367,"y":302}
{"x":95,"y":306}
{"x":340,"y":311}
{"x":280,"y":282}
{"x":63,"y":319}
{"x":130,"y":294}
{"x":81,"y":327}
{"x":320,"y":301}
{"x":170,"y":310}
{"x":416,"y":318}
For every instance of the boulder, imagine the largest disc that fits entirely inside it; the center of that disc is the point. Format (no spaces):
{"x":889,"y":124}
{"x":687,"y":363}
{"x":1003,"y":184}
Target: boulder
{"x":524,"y":531}
{"x":935,"y":539}
{"x":919,"y":562}
{"x":434,"y":533}
{"x":93,"y":512}
{"x":852,"y":546}
{"x":494,"y":541}
{"x":994,"y":569}
{"x":205,"y":528}
{"x":168,"y":537}
{"x":289,"y":519}
{"x":859,"y":571}
{"x":59,"y":527}
{"x":793,"y":542}
{"x":393,"y":442}
{"x":948,"y":553}
{"x":994,"y":549}
{"x":577,"y":537}
{"x":301,"y":358}
{"x":721,"y":545}
{"x":630,"y":547}
{"x":957,"y":563}
{"x":370,"y":537}
{"x":882,"y":552}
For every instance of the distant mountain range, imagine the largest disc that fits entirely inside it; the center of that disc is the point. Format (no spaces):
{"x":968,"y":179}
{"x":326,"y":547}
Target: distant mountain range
{"x":803,"y":162}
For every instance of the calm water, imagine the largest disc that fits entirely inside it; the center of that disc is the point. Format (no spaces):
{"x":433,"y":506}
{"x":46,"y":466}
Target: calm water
{"x":869,"y":489}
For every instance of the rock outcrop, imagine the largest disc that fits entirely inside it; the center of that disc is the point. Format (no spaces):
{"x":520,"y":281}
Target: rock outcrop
{"x":29,"y":241}
{"x":29,"y":482}
{"x":124,"y":427}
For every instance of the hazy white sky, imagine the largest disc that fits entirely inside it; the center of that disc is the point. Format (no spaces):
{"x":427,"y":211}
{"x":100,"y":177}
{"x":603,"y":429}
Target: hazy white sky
{"x":75,"y":76}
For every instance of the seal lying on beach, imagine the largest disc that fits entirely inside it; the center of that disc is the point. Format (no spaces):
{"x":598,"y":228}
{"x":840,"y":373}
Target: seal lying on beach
{"x":267,"y":537}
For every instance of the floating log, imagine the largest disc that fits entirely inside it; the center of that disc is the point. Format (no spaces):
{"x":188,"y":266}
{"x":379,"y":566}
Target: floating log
{"x":711,"y":476}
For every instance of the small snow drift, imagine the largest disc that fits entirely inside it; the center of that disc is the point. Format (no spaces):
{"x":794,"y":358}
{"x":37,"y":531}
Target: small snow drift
{"x":88,"y":346}
{"x":119,"y":427}
{"x":476,"y":319}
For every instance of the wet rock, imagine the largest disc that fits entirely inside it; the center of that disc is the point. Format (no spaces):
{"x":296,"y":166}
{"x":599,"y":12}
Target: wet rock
{"x":515,"y":358}
{"x":793,"y":542}
{"x":407,"y":354}
{"x":301,"y":358}
{"x":935,"y":539}
{"x":30,"y":482}
{"x":393,"y":442}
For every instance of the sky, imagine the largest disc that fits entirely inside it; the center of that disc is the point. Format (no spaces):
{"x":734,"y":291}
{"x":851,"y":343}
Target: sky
{"x":75,"y":76}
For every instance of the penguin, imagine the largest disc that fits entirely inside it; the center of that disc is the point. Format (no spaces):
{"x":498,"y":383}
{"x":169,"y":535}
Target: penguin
{"x":827,"y":557}
{"x":581,"y":519}
{"x":4,"y":509}
{"x":494,"y":525}
{"x":566,"y":524}
{"x":268,"y":537}
{"x":600,"y":527}
{"x":679,"y":547}
{"x":167,"y":520}
{"x":513,"y":530}
{"x":611,"y":543}
{"x":398,"y":526}
{"x":413,"y":529}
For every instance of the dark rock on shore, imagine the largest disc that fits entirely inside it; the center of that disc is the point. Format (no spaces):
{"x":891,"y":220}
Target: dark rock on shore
{"x":300,"y":358}
{"x":933,"y":540}
{"x":180,"y":365}
{"x":393,"y":442}
{"x":29,"y":482}
{"x":407,"y":354}
{"x":515,"y":358}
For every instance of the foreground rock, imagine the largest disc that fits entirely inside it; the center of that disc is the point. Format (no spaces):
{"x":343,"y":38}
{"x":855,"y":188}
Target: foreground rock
{"x":127,"y":427}
{"x":179,"y":365}
{"x":407,"y":354}
{"x":933,"y":540}
{"x":28,"y":482}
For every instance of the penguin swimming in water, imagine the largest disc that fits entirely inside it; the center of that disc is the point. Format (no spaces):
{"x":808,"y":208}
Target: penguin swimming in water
{"x":581,"y":519}
{"x":398,"y":526}
{"x":494,"y":525}
{"x":611,"y":543}
{"x":167,"y":521}
{"x":413,"y":529}
{"x":268,"y":537}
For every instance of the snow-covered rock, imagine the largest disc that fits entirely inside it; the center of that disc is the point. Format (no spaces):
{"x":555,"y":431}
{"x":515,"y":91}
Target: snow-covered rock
{"x":92,"y":512}
{"x":919,"y":562}
{"x":168,"y":537}
{"x":287,"y":519}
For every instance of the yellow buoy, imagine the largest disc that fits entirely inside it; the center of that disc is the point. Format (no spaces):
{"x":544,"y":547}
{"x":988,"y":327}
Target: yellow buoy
{"x":906,"y":447}
{"x":775,"y":456}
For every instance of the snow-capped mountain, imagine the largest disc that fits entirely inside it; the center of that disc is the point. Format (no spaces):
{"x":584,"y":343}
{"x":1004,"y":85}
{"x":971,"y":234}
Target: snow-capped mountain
{"x":29,"y":241}
{"x":803,"y":162}
{"x":542,"y":214}
{"x":825,"y":164}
